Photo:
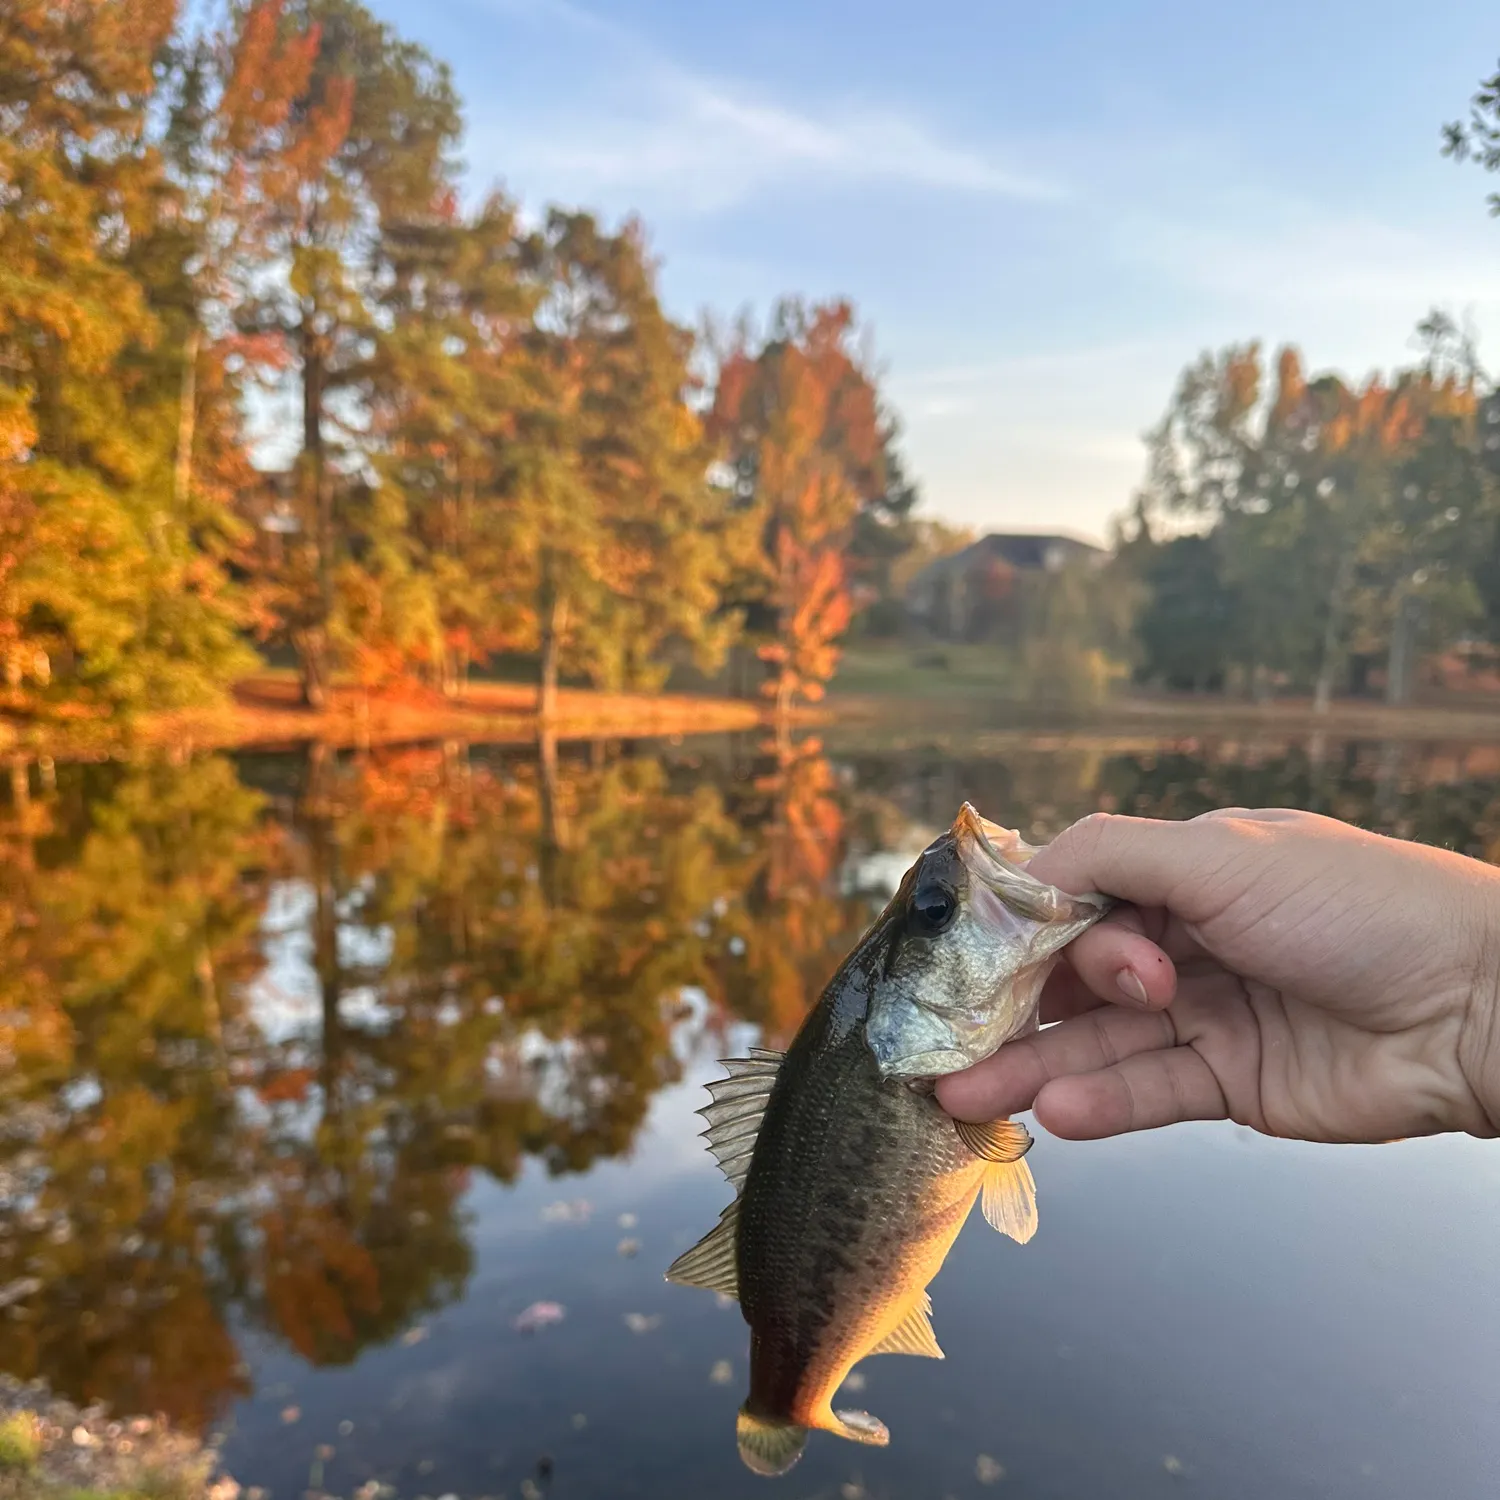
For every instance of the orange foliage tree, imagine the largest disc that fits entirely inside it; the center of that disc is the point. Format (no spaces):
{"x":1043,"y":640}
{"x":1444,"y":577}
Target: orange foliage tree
{"x":799,"y":424}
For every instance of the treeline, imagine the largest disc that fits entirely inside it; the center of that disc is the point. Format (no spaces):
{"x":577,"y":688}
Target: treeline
{"x":1301,"y":533}
{"x":503,"y":445}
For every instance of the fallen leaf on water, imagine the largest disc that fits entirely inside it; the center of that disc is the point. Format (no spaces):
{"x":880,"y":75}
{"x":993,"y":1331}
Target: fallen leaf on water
{"x":987,"y":1471}
{"x":628,"y":1248}
{"x":640,"y":1323}
{"x":414,"y":1335}
{"x":722,"y":1372}
{"x":628,"y":1221}
{"x":290,"y":1414}
{"x":1173,"y":1465}
{"x":539,"y":1315}
{"x":567,"y":1213}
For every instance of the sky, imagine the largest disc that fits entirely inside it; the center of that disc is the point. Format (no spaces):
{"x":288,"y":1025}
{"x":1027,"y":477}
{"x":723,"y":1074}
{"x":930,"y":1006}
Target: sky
{"x":1042,"y":212}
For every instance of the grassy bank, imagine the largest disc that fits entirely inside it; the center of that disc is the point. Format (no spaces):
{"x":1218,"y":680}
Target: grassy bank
{"x":973,"y":687}
{"x":265,"y":711}
{"x":53,"y":1450}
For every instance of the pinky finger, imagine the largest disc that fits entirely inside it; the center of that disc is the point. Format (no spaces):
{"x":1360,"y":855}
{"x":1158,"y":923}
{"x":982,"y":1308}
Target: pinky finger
{"x":1142,"y":1092}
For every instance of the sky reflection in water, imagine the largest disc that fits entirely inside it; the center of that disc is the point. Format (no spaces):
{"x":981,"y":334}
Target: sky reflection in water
{"x":328,"y":1068}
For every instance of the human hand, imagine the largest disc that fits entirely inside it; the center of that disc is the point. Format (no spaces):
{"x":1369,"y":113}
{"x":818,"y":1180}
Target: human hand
{"x":1276,"y":968}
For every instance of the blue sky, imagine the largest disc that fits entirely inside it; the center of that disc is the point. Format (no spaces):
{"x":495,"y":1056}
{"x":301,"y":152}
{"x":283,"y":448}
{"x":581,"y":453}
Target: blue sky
{"x":1042,"y":211}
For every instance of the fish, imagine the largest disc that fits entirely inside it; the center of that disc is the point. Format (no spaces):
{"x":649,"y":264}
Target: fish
{"x":851,"y":1182}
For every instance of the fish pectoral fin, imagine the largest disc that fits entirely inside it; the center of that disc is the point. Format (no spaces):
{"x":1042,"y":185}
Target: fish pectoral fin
{"x":734,"y":1117}
{"x":996,"y":1140}
{"x":913,"y":1334}
{"x":1008,"y":1200}
{"x":861,"y":1427}
{"x":768,"y":1447}
{"x":712,"y":1263}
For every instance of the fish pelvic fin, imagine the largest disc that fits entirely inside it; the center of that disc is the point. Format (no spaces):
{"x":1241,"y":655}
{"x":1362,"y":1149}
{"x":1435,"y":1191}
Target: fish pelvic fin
{"x":861,"y":1427}
{"x":1008,"y":1200}
{"x":997,"y":1140}
{"x":767,"y":1446}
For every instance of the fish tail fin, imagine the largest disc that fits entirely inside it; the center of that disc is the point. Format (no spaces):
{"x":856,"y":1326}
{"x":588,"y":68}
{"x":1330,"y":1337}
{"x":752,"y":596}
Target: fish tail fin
{"x":861,"y":1427}
{"x":767,"y":1446}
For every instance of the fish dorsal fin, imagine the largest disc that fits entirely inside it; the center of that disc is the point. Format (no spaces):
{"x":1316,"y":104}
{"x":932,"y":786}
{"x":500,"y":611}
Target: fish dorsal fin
{"x":1008,"y":1200}
{"x":913,"y":1334}
{"x":712,"y":1263}
{"x":998,"y":1140}
{"x":734,"y":1117}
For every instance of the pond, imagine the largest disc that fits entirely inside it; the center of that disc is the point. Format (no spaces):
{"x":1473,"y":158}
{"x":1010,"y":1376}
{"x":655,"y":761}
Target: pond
{"x":346,"y":1109}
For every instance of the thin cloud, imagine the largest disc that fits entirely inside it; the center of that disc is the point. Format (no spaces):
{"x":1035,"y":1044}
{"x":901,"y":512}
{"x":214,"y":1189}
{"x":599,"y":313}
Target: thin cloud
{"x":709,"y":143}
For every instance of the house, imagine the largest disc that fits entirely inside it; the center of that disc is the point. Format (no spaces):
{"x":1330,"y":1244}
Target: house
{"x":977,"y":593}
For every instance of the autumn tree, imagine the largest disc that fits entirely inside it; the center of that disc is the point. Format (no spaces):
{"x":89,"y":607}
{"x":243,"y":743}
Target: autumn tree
{"x":379,"y":121}
{"x":614,"y":539}
{"x":437,"y":588}
{"x":798,"y":424}
{"x":111,"y":593}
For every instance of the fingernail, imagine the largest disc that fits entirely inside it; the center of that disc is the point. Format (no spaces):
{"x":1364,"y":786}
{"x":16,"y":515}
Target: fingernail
{"x":1128,"y":982}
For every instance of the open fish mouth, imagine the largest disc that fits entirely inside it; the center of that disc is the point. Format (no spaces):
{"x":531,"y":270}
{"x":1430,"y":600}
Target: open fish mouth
{"x":972,"y":937}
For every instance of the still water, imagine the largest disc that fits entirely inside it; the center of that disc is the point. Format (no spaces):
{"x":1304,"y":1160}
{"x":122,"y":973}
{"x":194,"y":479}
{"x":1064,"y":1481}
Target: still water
{"x":320,"y":1074}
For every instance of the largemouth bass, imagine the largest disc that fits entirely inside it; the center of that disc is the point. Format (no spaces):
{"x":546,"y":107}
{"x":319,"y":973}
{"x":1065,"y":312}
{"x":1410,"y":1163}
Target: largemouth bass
{"x":852,"y":1182}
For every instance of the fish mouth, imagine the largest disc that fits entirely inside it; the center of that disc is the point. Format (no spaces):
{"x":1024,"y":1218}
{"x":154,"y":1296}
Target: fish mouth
{"x":914,"y":1067}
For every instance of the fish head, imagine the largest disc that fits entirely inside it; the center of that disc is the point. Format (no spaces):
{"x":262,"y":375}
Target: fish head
{"x":971,"y":939}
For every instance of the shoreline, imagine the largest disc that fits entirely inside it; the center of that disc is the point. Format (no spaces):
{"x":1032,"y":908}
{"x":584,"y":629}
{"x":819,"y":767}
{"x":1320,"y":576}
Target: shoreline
{"x":262,"y":712}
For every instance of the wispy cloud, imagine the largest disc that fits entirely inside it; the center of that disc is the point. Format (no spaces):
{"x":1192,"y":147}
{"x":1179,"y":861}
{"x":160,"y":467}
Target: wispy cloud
{"x":712,"y":142}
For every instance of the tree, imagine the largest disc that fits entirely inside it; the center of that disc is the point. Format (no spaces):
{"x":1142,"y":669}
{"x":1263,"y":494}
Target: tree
{"x":110,"y":595}
{"x":1477,"y":139}
{"x":445,"y":387}
{"x":614,"y":536}
{"x":798,"y":422}
{"x":380,"y":120}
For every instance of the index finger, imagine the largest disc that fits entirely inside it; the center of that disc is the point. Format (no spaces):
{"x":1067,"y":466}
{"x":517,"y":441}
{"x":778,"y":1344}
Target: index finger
{"x":1148,"y":861}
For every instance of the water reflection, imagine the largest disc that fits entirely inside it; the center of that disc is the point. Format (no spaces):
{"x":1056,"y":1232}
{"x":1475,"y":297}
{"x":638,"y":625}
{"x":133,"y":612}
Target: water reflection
{"x":265,"y":1024}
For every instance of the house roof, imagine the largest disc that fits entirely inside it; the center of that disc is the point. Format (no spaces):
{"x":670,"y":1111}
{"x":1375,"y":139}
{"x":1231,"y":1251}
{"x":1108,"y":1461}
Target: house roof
{"x":1021,"y":549}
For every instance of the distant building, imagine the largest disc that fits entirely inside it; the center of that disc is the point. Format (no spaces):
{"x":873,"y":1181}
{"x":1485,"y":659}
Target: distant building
{"x":977,"y":593}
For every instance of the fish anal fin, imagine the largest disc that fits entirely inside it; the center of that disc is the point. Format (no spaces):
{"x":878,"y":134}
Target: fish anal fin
{"x":913,"y":1334}
{"x":712,"y":1262}
{"x":861,"y":1427}
{"x":1008,"y":1200}
{"x":768,"y":1447}
{"x":996,"y":1140}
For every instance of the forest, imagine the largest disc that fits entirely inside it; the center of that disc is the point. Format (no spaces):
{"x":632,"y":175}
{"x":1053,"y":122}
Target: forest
{"x":499,"y":452}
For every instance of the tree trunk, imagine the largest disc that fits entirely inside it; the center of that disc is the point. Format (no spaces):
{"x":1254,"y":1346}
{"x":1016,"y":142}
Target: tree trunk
{"x":187,"y":419}
{"x":312,"y":660}
{"x":1330,"y":655}
{"x":1399,"y":655}
{"x":318,"y":509}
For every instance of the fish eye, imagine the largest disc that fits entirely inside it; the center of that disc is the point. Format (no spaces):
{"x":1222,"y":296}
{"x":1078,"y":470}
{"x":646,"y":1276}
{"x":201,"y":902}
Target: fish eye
{"x":932,"y":908}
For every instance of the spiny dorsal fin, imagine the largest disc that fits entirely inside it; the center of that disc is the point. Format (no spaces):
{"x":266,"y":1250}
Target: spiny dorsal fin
{"x":712,"y":1262}
{"x":998,"y":1140}
{"x":1009,"y":1200}
{"x":913,"y":1334}
{"x":734,"y":1117}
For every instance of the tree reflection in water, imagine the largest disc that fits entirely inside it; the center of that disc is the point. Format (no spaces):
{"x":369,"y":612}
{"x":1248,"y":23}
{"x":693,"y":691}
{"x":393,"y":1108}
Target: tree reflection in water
{"x":260,"y":1023}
